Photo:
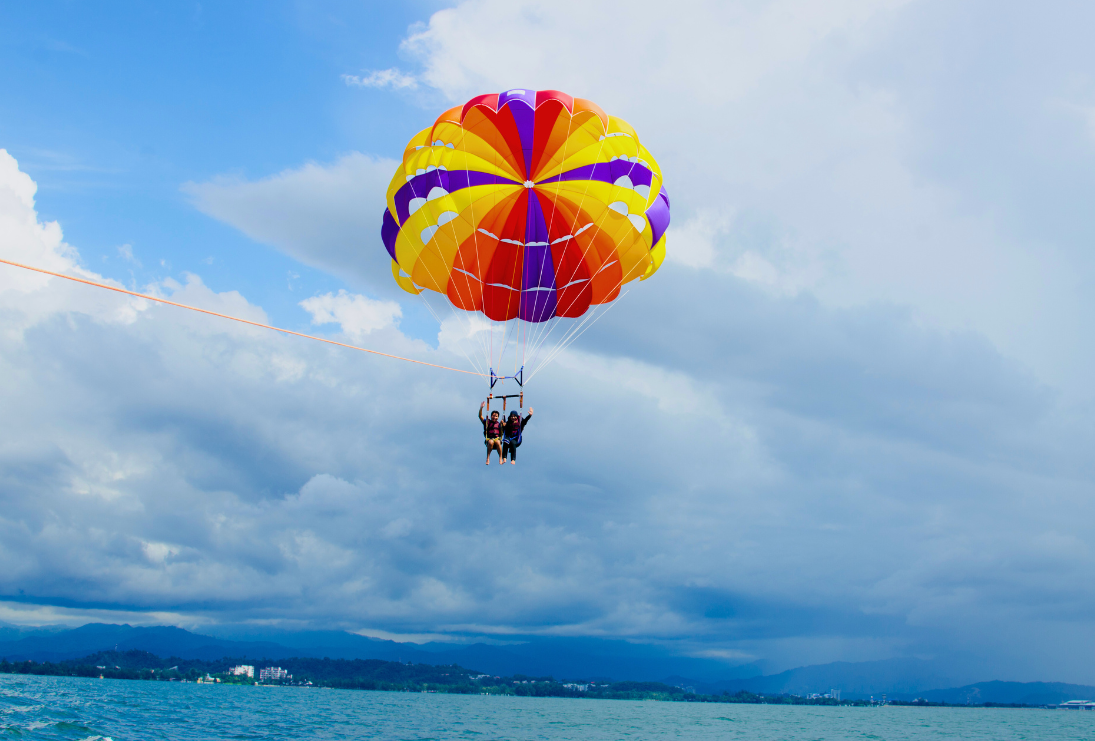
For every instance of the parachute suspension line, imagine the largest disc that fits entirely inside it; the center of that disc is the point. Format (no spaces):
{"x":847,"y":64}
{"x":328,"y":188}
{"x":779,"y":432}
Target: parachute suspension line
{"x":514,"y":337}
{"x":541,"y":336}
{"x":536,"y":343}
{"x":580,"y":328}
{"x":533,"y":335}
{"x":486,"y":343}
{"x":542,"y":341}
{"x":577,"y":331}
{"x":517,"y":345}
{"x":567,"y":341}
{"x":460,"y":319}
{"x":465,"y":317}
{"x":526,"y":358}
{"x":503,"y":329}
{"x":157,"y":299}
{"x":539,"y":344}
{"x":577,"y":325}
{"x":429,"y":307}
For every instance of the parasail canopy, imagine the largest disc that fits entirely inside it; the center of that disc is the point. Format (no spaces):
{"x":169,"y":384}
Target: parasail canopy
{"x":525,"y":208}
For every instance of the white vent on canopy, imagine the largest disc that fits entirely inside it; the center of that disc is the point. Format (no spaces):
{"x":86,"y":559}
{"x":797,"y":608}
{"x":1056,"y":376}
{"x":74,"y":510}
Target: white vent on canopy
{"x":444,"y":218}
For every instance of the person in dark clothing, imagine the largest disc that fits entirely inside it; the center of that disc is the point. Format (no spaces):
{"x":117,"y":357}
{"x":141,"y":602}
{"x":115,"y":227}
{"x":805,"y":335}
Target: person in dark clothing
{"x":492,"y":433}
{"x":511,"y":435}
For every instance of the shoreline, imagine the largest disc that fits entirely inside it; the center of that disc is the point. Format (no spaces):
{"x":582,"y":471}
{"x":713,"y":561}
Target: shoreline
{"x":460,"y":682}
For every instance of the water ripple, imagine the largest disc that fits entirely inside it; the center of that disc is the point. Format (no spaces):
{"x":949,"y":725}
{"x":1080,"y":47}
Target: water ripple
{"x":117,"y":710}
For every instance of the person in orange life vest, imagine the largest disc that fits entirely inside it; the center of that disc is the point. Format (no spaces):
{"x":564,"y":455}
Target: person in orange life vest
{"x":492,"y":432}
{"x":511,"y":435}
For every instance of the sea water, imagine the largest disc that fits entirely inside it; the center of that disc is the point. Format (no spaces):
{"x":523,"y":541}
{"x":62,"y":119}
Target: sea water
{"x":97,"y":709}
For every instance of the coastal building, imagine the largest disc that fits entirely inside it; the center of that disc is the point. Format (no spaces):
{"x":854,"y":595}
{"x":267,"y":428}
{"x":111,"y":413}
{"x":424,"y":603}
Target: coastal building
{"x":1077,"y":705}
{"x":273,"y":673}
{"x":243,"y":670}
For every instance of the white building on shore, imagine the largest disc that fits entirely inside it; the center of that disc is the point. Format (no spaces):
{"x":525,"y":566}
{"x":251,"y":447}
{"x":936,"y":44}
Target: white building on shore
{"x":273,"y":673}
{"x":243,"y":670}
{"x":1077,"y":705}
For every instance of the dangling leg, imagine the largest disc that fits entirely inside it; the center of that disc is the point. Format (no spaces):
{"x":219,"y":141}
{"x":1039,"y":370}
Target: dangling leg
{"x":513,"y":453}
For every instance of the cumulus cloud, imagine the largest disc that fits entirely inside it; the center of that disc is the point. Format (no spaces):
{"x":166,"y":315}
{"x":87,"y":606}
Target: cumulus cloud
{"x":383,"y":78}
{"x":125,"y":251}
{"x":318,"y":214}
{"x":858,"y":151}
{"x":694,"y":241}
{"x":762,"y":476}
{"x":23,"y":235}
{"x":356,"y":314}
{"x":808,"y":437}
{"x":864,"y":149}
{"x":461,"y":54}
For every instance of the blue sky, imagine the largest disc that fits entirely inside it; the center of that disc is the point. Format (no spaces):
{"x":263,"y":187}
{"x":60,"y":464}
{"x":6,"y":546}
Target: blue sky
{"x":849,"y":419}
{"x":112,"y":111}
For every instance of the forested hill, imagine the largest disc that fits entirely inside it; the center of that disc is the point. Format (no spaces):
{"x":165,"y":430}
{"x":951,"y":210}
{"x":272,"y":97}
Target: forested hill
{"x":369,"y":674}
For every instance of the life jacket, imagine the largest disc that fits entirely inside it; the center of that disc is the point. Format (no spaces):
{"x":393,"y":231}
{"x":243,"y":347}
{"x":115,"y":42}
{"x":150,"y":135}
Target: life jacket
{"x":513,"y":429}
{"x":494,"y":429}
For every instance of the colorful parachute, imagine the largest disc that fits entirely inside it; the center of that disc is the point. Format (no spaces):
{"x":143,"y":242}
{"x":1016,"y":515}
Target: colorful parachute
{"x":525,"y":207}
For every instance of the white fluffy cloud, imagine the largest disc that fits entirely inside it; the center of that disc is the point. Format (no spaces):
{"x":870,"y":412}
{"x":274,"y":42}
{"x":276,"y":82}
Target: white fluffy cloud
{"x":383,"y":78}
{"x":357,"y":315}
{"x":866,"y":150}
{"x":800,"y":442}
{"x":759,"y":476}
{"x":327,"y":217}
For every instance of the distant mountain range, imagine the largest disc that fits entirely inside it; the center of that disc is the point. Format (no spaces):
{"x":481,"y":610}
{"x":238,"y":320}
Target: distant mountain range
{"x":1023,"y":693}
{"x":896,"y":678}
{"x":562,"y":658}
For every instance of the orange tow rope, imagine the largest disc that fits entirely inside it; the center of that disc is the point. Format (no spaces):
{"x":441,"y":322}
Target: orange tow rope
{"x":233,"y":318}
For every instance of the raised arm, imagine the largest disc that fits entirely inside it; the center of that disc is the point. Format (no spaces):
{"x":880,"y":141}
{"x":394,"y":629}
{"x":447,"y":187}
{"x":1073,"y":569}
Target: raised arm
{"x":481,"y":417}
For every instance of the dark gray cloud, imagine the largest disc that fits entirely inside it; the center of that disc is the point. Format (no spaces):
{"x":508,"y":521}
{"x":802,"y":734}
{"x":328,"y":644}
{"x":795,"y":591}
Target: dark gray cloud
{"x":774,"y":479}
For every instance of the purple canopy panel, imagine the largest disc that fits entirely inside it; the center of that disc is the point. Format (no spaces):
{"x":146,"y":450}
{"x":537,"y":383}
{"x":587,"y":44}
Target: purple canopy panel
{"x":539,"y":272}
{"x":658,"y":216}
{"x":389,"y":230}
{"x":536,"y":229}
{"x":420,"y":186}
{"x":528,"y":97}
{"x":522,"y":106}
{"x":606,"y":172}
{"x":639,"y":174}
{"x":538,"y":306}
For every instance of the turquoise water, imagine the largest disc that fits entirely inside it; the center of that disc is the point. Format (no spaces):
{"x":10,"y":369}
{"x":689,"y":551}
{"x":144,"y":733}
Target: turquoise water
{"x":96,"y":709}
